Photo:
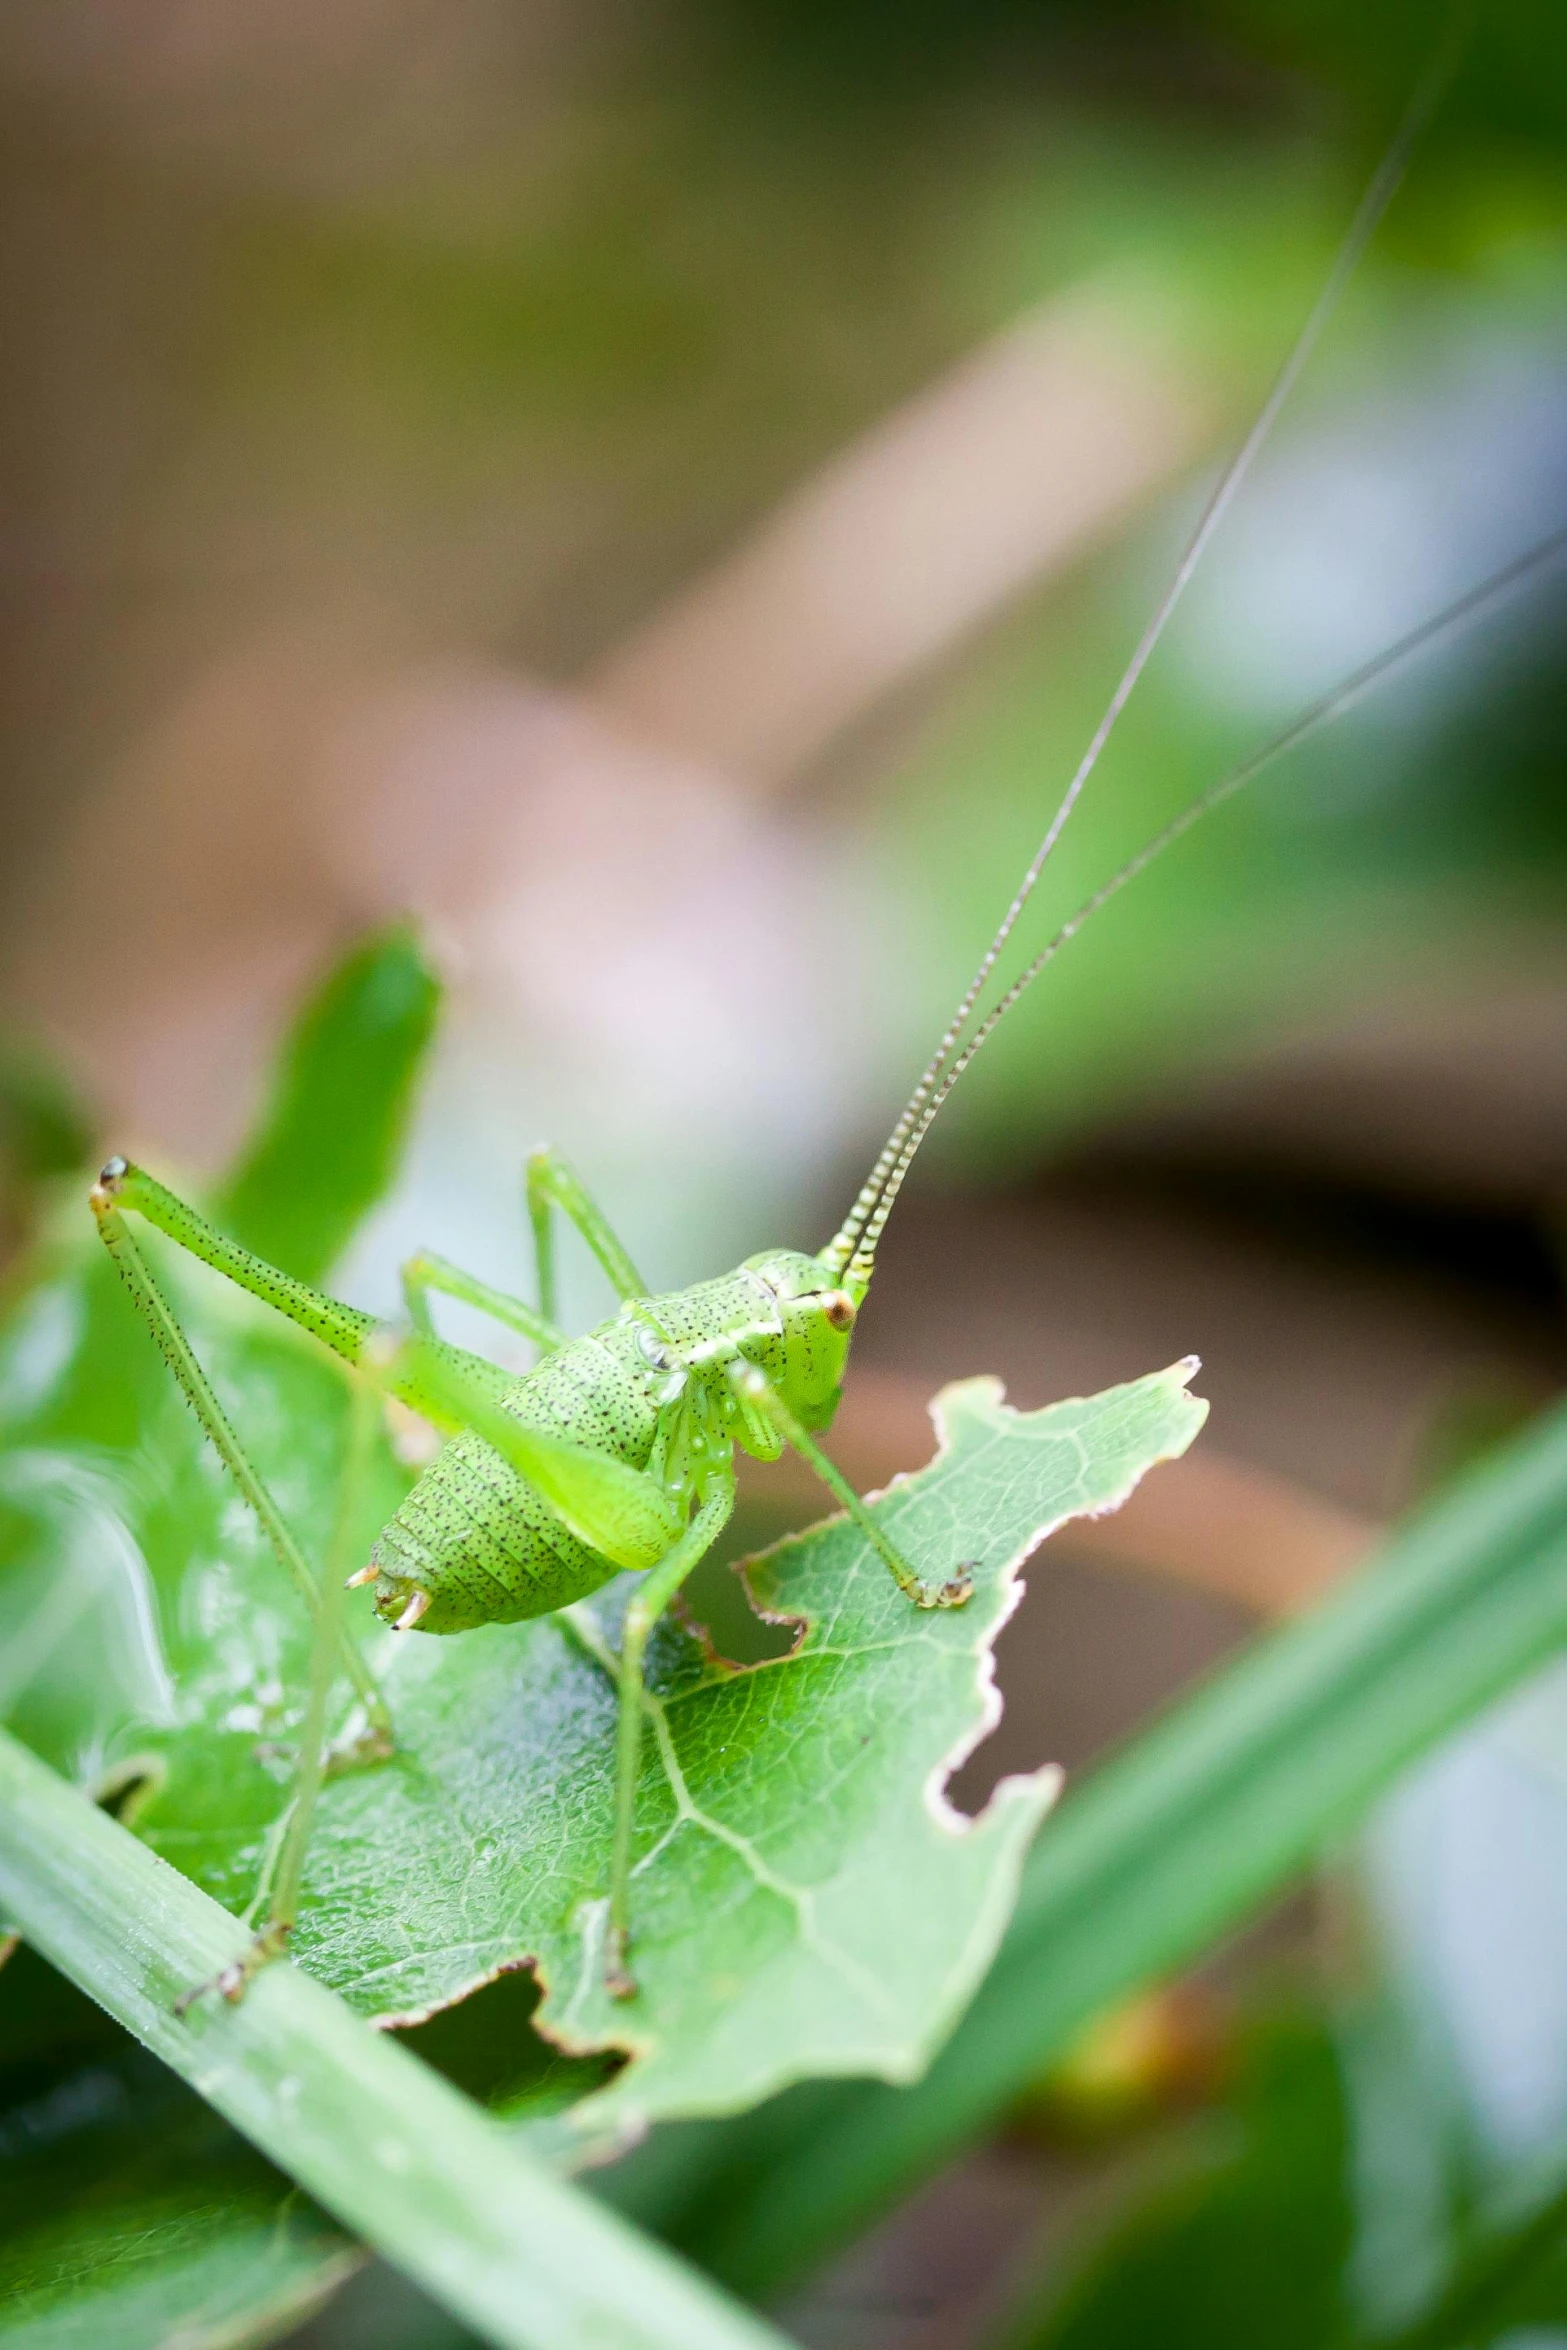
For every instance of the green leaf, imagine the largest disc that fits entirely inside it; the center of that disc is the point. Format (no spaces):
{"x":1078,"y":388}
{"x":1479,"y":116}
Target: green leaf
{"x":130,"y":2215}
{"x":805,"y":1900}
{"x":1180,"y":1837}
{"x":151,"y":1638}
{"x":398,"y":2155}
{"x":329,"y":1142}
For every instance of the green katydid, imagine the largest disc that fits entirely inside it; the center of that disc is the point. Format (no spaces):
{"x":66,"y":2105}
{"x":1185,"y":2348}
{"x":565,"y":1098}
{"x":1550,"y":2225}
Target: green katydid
{"x":615,"y":1451}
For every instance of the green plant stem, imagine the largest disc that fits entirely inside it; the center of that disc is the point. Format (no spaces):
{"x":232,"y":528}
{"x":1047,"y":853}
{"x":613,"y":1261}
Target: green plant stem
{"x":387,"y":2146}
{"x":1178,"y":1839}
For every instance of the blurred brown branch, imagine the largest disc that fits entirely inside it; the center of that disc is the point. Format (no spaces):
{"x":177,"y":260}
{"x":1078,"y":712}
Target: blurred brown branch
{"x":988,"y":480}
{"x":314,"y":779}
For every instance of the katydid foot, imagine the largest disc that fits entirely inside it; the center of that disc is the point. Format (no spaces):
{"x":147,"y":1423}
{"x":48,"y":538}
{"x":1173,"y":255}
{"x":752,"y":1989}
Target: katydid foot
{"x":233,"y":1981}
{"x":619,"y":1981}
{"x":957,"y":1591}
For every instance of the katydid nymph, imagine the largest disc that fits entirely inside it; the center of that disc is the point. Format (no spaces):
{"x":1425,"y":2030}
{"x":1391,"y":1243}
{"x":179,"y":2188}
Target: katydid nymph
{"x":615,"y":1451}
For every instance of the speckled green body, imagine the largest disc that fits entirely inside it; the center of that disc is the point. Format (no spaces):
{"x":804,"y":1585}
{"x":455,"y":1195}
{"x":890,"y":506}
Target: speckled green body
{"x":653,"y":1389}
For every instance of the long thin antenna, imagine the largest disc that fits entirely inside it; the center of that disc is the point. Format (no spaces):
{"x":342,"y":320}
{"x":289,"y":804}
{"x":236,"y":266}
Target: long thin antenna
{"x":1333,"y":704}
{"x":1373,"y":204}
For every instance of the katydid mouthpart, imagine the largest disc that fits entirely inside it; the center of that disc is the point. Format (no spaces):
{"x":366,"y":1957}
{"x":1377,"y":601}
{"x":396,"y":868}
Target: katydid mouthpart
{"x":615,"y":1451}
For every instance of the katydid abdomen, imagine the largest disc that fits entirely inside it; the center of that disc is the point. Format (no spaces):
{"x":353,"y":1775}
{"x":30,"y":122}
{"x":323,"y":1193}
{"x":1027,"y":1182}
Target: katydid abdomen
{"x":482,"y":1544}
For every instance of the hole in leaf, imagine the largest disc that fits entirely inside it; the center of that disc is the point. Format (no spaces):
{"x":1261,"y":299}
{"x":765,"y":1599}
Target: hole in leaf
{"x":486,"y":2046}
{"x":715,"y":1596}
{"x":126,"y":1788}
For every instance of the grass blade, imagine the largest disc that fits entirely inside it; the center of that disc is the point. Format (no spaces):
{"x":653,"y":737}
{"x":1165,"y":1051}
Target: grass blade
{"x":1181,"y":1836}
{"x":387,"y":2146}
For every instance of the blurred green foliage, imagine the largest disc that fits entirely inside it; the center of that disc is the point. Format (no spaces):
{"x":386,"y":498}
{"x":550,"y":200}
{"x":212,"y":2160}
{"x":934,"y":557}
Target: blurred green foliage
{"x":1244,"y":2231}
{"x":1218,"y":56}
{"x":1266,"y":2218}
{"x":44,"y":1130}
{"x":332,"y":1135}
{"x":1290,"y":908}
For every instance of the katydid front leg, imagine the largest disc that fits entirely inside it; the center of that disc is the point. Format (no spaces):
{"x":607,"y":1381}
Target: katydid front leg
{"x":754,"y":1388}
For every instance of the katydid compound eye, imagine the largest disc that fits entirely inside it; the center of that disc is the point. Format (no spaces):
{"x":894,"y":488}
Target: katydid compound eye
{"x":838,"y":1306}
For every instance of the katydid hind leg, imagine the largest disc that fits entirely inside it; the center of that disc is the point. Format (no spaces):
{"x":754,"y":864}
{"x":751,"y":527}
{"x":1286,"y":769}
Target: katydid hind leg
{"x":619,"y":1511}
{"x":182,"y":1360}
{"x":314,"y":1760}
{"x":648,"y":1603}
{"x":123,"y":1187}
{"x":355,"y":1338}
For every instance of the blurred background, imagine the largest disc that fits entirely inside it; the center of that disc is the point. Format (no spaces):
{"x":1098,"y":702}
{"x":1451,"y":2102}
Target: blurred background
{"x":663,"y":489}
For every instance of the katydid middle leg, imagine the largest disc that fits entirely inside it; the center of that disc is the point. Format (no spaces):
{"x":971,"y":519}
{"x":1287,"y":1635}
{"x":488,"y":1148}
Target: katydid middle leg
{"x":549,"y":1183}
{"x":426,"y":1272}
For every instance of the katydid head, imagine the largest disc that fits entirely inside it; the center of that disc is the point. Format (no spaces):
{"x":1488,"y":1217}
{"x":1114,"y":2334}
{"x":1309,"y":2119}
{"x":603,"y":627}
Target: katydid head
{"x":817,"y":1311}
